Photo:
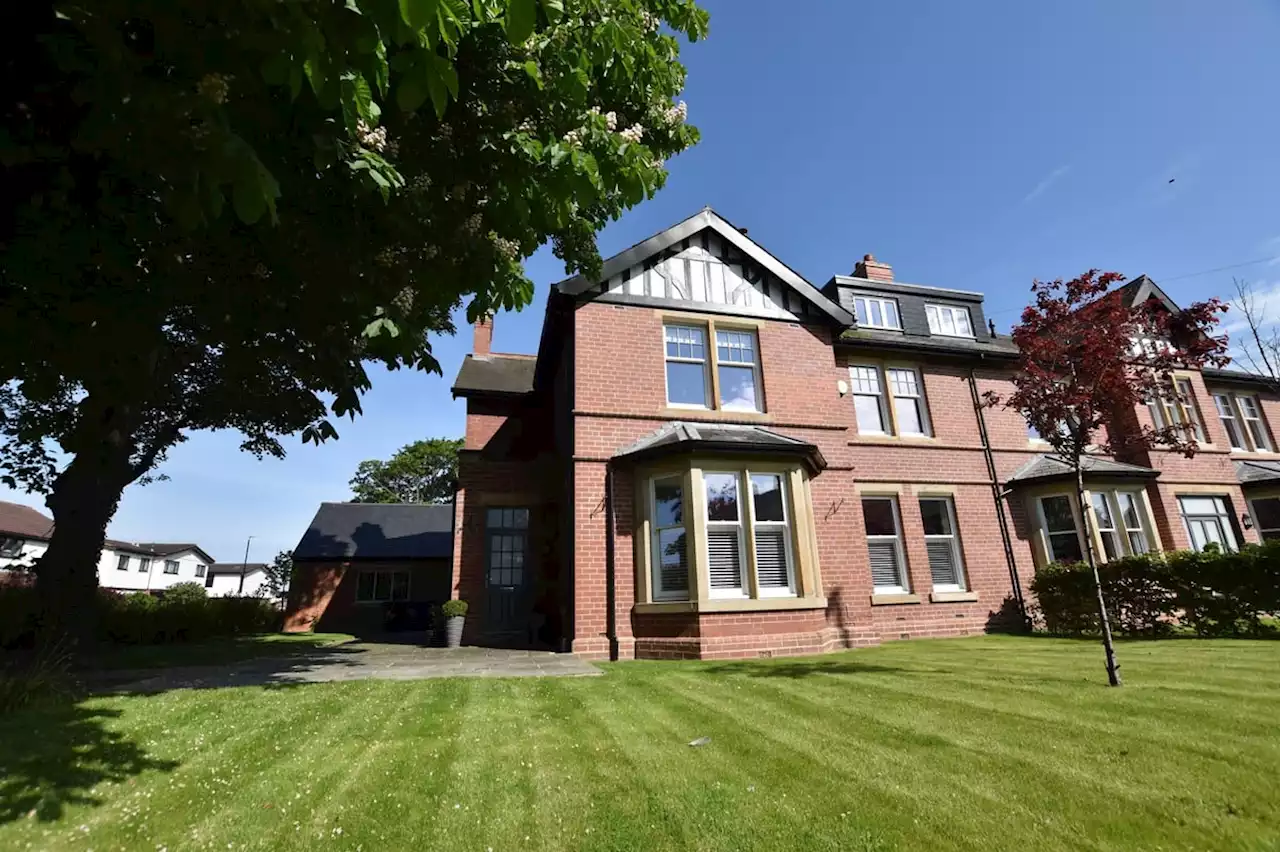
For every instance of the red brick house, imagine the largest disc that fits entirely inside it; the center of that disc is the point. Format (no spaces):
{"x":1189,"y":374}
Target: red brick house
{"x":710,"y":457}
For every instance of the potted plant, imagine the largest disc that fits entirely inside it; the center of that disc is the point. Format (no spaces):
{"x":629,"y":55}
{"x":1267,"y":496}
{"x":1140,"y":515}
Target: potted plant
{"x":455,"y":613}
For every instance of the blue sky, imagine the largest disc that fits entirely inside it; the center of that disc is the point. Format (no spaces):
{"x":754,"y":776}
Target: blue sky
{"x":975,"y":145}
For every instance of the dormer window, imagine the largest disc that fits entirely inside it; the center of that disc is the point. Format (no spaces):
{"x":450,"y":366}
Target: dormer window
{"x":875,"y":312}
{"x":949,"y":320}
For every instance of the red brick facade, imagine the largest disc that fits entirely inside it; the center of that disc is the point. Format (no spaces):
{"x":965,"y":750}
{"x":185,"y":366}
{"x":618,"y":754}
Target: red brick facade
{"x":601,"y":387}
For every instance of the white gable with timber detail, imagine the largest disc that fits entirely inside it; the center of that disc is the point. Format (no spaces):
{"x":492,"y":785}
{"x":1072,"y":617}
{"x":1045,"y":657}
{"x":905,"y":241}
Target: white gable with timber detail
{"x":706,"y":264}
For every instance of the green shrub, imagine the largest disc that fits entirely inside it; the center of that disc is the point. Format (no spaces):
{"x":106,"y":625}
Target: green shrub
{"x":454,"y":608}
{"x":1213,"y":593}
{"x":182,"y":593}
{"x":28,"y":677}
{"x":129,"y":619}
{"x":18,"y":614}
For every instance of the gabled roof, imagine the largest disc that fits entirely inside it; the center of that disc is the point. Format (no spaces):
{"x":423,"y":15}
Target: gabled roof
{"x":495,"y":375}
{"x":378,"y":531}
{"x":682,"y":437}
{"x":1049,"y":467}
{"x":19,"y":521}
{"x":1257,"y":472}
{"x":702,"y":220}
{"x":158,"y":549}
{"x":1142,"y":288}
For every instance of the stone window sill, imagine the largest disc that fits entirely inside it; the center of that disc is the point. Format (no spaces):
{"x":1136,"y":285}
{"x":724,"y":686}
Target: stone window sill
{"x":953,"y":597}
{"x":890,"y":600}
{"x":734,"y":605}
{"x":714,"y":414}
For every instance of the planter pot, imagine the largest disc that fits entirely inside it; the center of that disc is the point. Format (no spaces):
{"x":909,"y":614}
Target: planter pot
{"x":453,"y":631}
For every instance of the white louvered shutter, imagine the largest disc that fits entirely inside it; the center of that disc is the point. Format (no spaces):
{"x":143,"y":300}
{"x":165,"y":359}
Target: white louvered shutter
{"x":724,"y":558}
{"x":942,"y":563}
{"x":771,"y":558}
{"x":885,"y":570}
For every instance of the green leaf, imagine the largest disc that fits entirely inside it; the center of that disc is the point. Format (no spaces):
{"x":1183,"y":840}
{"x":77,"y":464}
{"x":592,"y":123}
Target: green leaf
{"x":248,"y":200}
{"x":418,"y":13}
{"x":553,"y":9}
{"x":411,"y":92}
{"x":522,"y":17}
{"x":357,"y":95}
{"x":316,"y":72}
{"x":442,"y":81}
{"x":531,"y":68}
{"x":378,"y":326}
{"x":382,"y":74}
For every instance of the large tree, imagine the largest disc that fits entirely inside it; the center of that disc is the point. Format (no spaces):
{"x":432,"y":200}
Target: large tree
{"x":421,"y":472}
{"x":1088,"y":358}
{"x":213,"y":215}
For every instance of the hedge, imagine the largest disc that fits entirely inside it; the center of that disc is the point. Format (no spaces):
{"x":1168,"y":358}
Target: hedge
{"x":1212,"y":593}
{"x":139,"y":618}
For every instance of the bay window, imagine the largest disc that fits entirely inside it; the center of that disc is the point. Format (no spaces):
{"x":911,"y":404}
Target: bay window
{"x":727,"y":537}
{"x":1058,"y":520}
{"x":1118,"y":517}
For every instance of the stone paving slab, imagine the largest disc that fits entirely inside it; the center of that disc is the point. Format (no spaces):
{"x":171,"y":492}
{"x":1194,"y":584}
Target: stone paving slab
{"x":352,"y":661}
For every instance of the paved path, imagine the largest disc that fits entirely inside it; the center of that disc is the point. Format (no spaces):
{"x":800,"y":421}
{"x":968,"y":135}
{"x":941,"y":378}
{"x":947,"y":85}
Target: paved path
{"x":352,"y":661}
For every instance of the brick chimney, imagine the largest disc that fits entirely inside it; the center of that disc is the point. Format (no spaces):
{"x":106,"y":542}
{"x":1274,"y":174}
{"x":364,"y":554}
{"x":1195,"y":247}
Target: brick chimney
{"x":483,"y":339}
{"x":872,"y":269}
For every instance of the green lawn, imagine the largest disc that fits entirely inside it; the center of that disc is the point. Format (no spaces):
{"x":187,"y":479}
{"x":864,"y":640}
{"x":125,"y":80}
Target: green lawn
{"x":984,"y":744}
{"x":214,"y":652}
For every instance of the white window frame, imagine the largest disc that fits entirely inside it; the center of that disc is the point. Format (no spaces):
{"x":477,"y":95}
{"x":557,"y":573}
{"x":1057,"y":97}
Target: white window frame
{"x":859,"y":380}
{"x":1226,"y":408}
{"x":1112,"y":529}
{"x":957,"y":557}
{"x":704,"y":362}
{"x":1139,"y":515}
{"x":918,"y":399}
{"x":880,"y":301}
{"x":904,"y":576}
{"x":1251,"y":416}
{"x":935,"y":312}
{"x":788,"y":591}
{"x":744,"y":565}
{"x":1048,"y":534}
{"x":174,"y":563}
{"x":1224,"y":519}
{"x":391,"y":584}
{"x":144,"y":564}
{"x":200,"y":570}
{"x":753,"y":365}
{"x":122,"y":562}
{"x":660,"y":592}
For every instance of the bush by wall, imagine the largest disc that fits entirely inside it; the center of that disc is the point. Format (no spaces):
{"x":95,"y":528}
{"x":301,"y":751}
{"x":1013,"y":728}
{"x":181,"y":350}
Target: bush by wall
{"x":1212,"y":594}
{"x":139,"y":618}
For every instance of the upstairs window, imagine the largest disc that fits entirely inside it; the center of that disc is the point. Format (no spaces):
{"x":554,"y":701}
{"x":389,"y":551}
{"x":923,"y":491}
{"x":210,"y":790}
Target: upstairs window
{"x":144,"y":565}
{"x":170,"y":566}
{"x":889,"y":401}
{"x":200,"y":570}
{"x":948,"y":320}
{"x":10,"y":547}
{"x":876,"y":312}
{"x":122,"y":563}
{"x":1242,"y":420}
{"x":734,"y":362}
{"x":1176,"y":406}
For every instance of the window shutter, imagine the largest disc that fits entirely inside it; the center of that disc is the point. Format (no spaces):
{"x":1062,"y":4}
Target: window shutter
{"x":942,"y":563}
{"x":725,"y":560}
{"x":771,"y":557}
{"x":884,"y":563}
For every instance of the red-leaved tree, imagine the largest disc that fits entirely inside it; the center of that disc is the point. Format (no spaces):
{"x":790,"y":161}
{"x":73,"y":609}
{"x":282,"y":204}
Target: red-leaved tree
{"x":1088,"y":357}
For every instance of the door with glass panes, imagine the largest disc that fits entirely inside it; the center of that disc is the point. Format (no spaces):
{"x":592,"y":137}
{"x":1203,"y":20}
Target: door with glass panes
{"x":507,"y":570}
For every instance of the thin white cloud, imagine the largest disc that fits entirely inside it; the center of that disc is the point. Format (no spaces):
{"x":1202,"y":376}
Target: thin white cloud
{"x":1046,"y":182}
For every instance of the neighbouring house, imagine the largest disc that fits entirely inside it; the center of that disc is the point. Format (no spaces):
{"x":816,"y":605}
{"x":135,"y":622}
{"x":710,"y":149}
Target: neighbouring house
{"x":235,"y":579}
{"x":710,"y":457}
{"x":123,"y":565}
{"x":371,"y":568}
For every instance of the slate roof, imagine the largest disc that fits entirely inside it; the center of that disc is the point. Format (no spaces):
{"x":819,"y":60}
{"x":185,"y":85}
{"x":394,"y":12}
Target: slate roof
{"x":999,"y":347}
{"x":1257,"y":472}
{"x":502,"y":375}
{"x":157,"y":549}
{"x":21,"y":521}
{"x":686,"y":437}
{"x":1048,"y":467}
{"x":378,"y":531}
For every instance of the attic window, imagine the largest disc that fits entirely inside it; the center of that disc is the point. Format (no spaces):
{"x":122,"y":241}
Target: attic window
{"x":949,"y":320}
{"x":874,"y":312}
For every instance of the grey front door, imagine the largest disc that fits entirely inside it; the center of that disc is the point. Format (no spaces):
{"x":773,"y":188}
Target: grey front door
{"x":507,"y":570}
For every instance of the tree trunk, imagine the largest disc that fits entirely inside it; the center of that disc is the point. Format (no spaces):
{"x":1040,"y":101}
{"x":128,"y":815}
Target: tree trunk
{"x":83,"y":500}
{"x":1113,"y":667}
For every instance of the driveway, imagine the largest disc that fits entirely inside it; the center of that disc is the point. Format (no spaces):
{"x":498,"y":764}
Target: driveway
{"x":352,"y":661}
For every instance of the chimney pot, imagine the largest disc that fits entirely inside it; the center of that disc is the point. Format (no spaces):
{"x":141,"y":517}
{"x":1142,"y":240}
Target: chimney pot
{"x":872,"y":269}
{"x":482,"y":339}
